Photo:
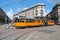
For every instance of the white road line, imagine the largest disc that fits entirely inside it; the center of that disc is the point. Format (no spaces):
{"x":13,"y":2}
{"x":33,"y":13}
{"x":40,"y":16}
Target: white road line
{"x":31,"y":35}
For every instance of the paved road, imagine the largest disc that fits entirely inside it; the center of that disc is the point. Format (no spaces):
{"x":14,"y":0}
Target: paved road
{"x":43,"y":33}
{"x":36,"y":33}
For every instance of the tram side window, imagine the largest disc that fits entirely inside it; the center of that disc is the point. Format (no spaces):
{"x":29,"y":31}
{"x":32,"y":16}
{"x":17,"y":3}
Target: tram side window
{"x":21,"y":20}
{"x":32,"y":20}
{"x":27,"y":21}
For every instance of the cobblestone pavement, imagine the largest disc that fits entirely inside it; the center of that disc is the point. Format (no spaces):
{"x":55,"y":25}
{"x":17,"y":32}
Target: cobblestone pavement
{"x":35,"y":33}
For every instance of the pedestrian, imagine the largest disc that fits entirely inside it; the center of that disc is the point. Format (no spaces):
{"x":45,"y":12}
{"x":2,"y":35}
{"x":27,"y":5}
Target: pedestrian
{"x":8,"y":25}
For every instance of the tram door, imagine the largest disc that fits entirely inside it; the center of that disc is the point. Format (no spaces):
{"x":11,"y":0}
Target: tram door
{"x":44,"y":22}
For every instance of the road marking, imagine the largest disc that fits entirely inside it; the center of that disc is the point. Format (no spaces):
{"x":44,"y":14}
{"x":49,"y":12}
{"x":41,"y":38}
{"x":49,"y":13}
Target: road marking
{"x":31,"y":35}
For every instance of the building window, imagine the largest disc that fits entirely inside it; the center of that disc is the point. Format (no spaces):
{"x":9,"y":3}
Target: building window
{"x":36,"y":12}
{"x":56,"y":15}
{"x":33,"y":13}
{"x":25,"y":14}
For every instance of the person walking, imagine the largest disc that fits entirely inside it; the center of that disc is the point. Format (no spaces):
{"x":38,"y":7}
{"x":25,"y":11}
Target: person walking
{"x":8,"y":25}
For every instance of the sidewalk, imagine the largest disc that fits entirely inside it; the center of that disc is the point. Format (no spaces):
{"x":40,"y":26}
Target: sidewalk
{"x":6,"y":26}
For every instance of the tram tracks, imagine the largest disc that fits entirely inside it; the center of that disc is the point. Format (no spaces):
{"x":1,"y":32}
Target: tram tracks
{"x":17,"y":35}
{"x":7,"y":34}
{"x":26,"y":33}
{"x":11,"y":34}
{"x":6,"y":31}
{"x":22,"y":35}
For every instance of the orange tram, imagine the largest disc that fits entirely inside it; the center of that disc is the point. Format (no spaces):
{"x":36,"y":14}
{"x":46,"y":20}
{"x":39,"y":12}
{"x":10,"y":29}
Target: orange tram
{"x":23,"y":22}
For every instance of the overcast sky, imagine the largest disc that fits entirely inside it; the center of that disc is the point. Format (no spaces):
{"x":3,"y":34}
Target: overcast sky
{"x":11,"y":7}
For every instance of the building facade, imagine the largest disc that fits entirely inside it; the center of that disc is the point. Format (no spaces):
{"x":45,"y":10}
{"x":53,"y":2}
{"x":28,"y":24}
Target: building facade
{"x":3,"y":17}
{"x":34,"y":11}
{"x":55,"y":13}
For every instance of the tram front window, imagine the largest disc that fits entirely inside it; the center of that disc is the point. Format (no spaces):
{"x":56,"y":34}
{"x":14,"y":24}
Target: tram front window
{"x":15,"y":20}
